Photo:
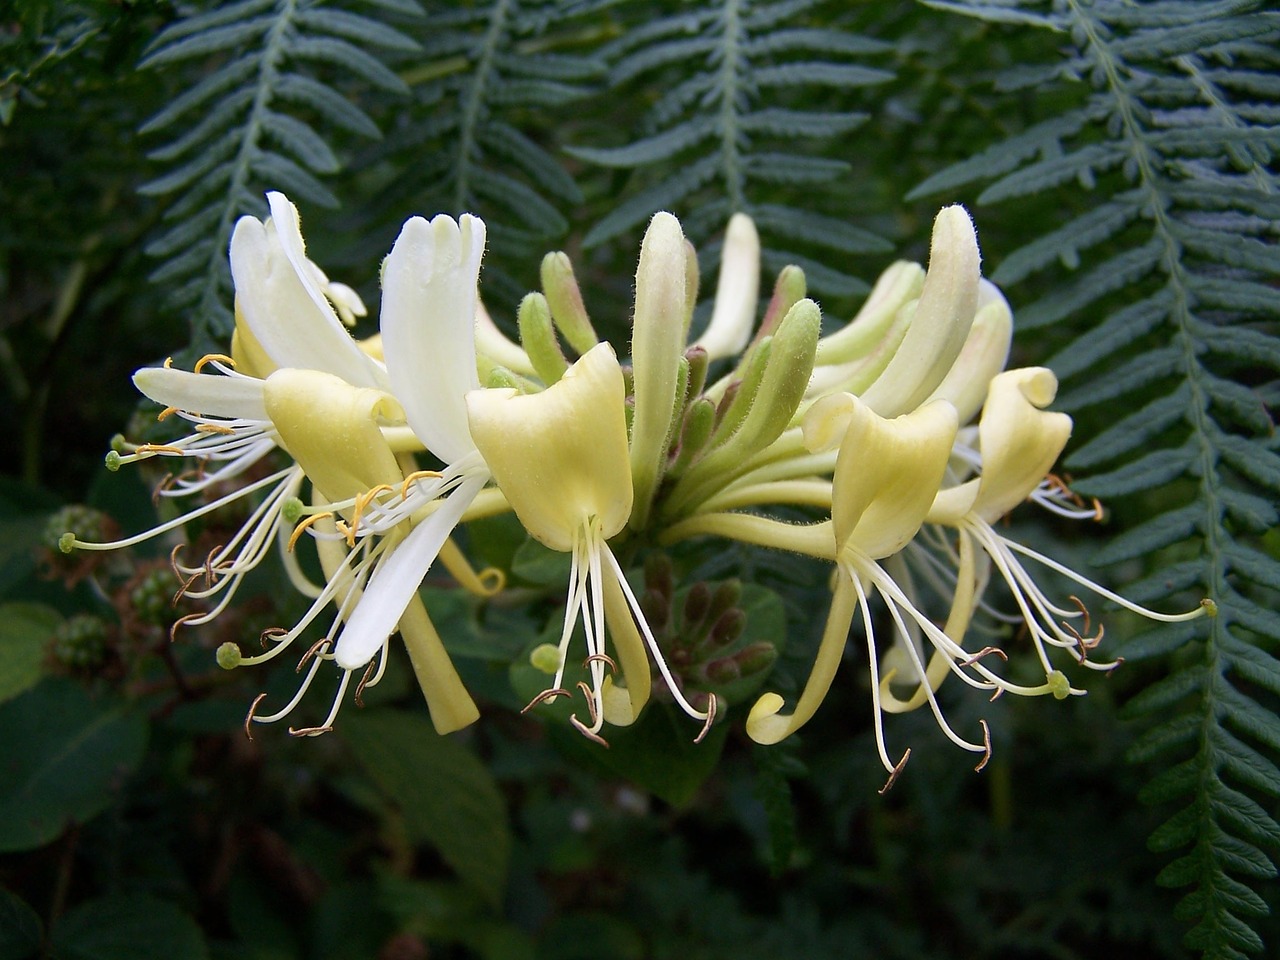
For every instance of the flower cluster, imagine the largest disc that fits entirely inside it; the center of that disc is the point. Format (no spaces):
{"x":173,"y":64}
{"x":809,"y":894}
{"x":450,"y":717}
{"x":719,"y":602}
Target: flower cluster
{"x":900,"y":433}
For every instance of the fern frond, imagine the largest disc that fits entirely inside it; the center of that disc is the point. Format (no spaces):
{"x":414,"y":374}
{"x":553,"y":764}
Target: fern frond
{"x":1171,"y":138}
{"x":250,"y":124}
{"x":729,"y":133}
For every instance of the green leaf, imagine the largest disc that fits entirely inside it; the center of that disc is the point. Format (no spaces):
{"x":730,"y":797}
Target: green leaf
{"x":27,"y":628}
{"x":447,"y":797}
{"x":128,"y":927}
{"x":63,"y":759}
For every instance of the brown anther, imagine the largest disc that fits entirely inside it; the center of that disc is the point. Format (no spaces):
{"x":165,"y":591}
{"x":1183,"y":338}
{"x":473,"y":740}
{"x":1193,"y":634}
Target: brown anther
{"x":164,"y":486}
{"x":548,"y":694}
{"x":173,"y":630}
{"x":416,"y":476}
{"x":173,"y":560}
{"x":1084,"y":611}
{"x":271,"y":633}
{"x":591,"y":702}
{"x":1098,"y":512}
{"x":601,"y":658}
{"x":167,"y":412}
{"x":212,"y":358}
{"x":588,"y":732}
{"x":986,"y":742}
{"x":893,"y":774}
{"x":182,"y":590}
{"x":312,"y":651}
{"x":997,"y":695}
{"x":302,"y":527}
{"x":984,"y":652}
{"x":215,"y":428}
{"x":711,"y":718}
{"x":309,"y":731}
{"x":364,"y":682}
{"x":248,"y":717}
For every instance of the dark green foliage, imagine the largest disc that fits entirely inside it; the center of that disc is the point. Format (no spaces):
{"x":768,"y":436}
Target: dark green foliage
{"x":736,"y":127}
{"x":1162,"y":154}
{"x":266,"y":72}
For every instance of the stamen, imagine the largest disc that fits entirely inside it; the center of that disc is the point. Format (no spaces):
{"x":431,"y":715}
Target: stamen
{"x":414,"y":478}
{"x":173,"y":630}
{"x":588,"y":733}
{"x":893,"y":774}
{"x":546,"y":695}
{"x":271,"y":633}
{"x":601,"y":658}
{"x":592,"y":709}
{"x":312,"y":651}
{"x":158,"y":448}
{"x":167,"y":412}
{"x":364,"y":681}
{"x":302,"y":527}
{"x":986,"y":743}
{"x":248,"y":718}
{"x":309,"y":731}
{"x":711,"y":716}
{"x":985,"y":651}
{"x":215,"y":428}
{"x":211,"y":358}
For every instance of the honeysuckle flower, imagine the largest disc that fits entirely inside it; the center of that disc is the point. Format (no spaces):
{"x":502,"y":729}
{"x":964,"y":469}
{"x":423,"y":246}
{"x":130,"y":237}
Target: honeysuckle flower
{"x":560,"y":457}
{"x":396,"y":525}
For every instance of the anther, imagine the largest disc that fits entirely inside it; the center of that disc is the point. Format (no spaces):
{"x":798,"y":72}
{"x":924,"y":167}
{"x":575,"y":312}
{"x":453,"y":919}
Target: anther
{"x":164,"y":486}
{"x":362,"y":502}
{"x":302,"y":527}
{"x":271,"y":634}
{"x":248,"y":717}
{"x":588,"y":732}
{"x":711,"y":716}
{"x":591,"y":703}
{"x":215,"y":428}
{"x":893,"y":774}
{"x":986,"y":743}
{"x":364,"y":682}
{"x":601,"y":658}
{"x":546,"y":695}
{"x":167,"y":412}
{"x":312,"y":651}
{"x":158,"y":448}
{"x":173,"y":630}
{"x":414,"y":478}
{"x":214,"y":358}
{"x":984,"y":652}
{"x":308,"y":731}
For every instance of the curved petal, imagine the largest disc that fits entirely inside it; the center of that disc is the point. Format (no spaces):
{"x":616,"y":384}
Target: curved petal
{"x":234,"y":398}
{"x":284,"y":309}
{"x":737,"y":291}
{"x":428,"y":327}
{"x":560,"y":456}
{"x":887,"y":471}
{"x":332,"y":429}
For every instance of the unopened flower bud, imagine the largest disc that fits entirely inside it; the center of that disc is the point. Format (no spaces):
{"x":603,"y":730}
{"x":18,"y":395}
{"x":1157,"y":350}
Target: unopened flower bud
{"x":564,"y":299}
{"x":538,"y":337}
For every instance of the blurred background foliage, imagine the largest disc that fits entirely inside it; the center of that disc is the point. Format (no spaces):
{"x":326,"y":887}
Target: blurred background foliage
{"x":1119,"y":158}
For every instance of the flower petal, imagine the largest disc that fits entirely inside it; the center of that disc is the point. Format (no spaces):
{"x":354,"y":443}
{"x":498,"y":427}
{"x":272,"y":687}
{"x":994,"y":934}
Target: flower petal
{"x":284,"y":309}
{"x":560,"y":456}
{"x":428,"y":327}
{"x":233,"y":398}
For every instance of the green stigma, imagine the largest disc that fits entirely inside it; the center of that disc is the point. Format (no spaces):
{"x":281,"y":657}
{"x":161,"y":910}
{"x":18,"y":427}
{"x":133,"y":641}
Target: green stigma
{"x":112,"y":460}
{"x":67,"y":542}
{"x":1059,"y":685}
{"x":545,"y":657}
{"x":291,"y":510}
{"x":229,"y":656}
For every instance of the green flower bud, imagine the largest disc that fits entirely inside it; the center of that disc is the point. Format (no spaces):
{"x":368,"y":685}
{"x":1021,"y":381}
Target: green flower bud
{"x":538,"y":337}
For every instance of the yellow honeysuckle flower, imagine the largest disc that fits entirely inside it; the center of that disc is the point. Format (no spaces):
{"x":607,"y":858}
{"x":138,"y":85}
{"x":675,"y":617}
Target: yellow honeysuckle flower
{"x":560,"y":457}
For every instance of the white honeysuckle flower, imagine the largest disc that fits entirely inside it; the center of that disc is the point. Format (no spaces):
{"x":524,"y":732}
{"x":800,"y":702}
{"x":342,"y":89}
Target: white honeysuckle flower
{"x":737,"y":291}
{"x":560,"y":457}
{"x":428,"y":334}
{"x":1018,"y":443}
{"x":984,"y":354}
{"x":284,"y":305}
